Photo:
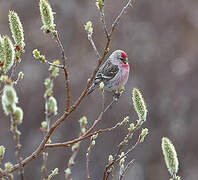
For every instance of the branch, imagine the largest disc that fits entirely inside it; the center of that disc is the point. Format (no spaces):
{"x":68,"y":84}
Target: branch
{"x":88,"y":132}
{"x":16,"y":137}
{"x":5,"y":174}
{"x":106,"y":174}
{"x":126,"y":169}
{"x":102,"y":18}
{"x":77,"y":102}
{"x":94,"y":46}
{"x":64,"y":58}
{"x":115,"y":23}
{"x":52,"y":64}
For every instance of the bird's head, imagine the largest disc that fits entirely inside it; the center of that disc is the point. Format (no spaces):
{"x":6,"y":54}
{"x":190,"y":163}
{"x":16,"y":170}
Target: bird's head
{"x":119,"y":57}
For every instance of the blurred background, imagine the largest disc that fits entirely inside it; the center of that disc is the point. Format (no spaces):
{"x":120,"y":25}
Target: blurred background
{"x":161,"y":39}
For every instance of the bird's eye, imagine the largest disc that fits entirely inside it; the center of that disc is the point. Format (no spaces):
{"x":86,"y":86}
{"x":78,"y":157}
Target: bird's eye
{"x":123,"y":60}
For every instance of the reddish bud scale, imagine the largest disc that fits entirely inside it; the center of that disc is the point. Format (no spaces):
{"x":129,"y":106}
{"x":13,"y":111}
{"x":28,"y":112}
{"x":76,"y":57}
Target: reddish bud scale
{"x":17,"y":48}
{"x":47,"y":31}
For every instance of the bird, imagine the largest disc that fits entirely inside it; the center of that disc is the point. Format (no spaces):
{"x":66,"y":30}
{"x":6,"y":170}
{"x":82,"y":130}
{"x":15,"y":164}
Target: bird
{"x":114,"y":73}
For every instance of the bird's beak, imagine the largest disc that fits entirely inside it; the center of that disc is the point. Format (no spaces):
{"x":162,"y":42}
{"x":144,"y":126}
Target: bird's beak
{"x":125,"y":61}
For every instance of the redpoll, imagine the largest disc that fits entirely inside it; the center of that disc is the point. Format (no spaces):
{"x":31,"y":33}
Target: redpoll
{"x":113,"y":73}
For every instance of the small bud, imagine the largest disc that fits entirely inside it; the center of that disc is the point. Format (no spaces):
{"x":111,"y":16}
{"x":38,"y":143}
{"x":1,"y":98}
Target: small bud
{"x":9,"y":53}
{"x":4,"y":78}
{"x":48,"y":92}
{"x":93,"y":143}
{"x":170,"y":156}
{"x":89,"y":28}
{"x":99,"y":4}
{"x":47,"y":82}
{"x":123,"y":159}
{"x":51,"y":105}
{"x":36,"y":54}
{"x":47,"y":16}
{"x":143,"y":134}
{"x":18,"y":115}
{"x":131,"y":127}
{"x":71,"y":162}
{"x":75,"y":147}
{"x":8,"y":166}
{"x":18,"y":133}
{"x":94,"y":136}
{"x":121,"y":90}
{"x":49,"y":141}
{"x":83,"y":130}
{"x":139,"y":104}
{"x":177,"y":178}
{"x":68,"y":171}
{"x":44,"y":125}
{"x":125,"y":120}
{"x":54,"y":71}
{"x":2,"y":152}
{"x":42,"y":58}
{"x":53,"y":173}
{"x":54,"y":33}
{"x":110,"y":159}
{"x":101,"y":86}
{"x":20,"y":75}
{"x":57,"y":62}
{"x":83,"y":121}
{"x":16,"y":29}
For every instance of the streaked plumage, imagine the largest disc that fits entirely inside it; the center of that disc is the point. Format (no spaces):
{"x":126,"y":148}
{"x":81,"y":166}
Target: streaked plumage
{"x":113,"y":73}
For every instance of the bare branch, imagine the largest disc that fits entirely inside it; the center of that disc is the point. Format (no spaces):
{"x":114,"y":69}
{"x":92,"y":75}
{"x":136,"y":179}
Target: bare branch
{"x":94,"y":46}
{"x":126,"y":169}
{"x":16,"y":137}
{"x":64,"y":58}
{"x":77,"y":102}
{"x":115,"y":23}
{"x":102,"y":17}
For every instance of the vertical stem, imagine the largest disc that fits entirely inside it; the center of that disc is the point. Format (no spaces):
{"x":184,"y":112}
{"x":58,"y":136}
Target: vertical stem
{"x":64,"y":58}
{"x":16,"y":136}
{"x":43,"y":168}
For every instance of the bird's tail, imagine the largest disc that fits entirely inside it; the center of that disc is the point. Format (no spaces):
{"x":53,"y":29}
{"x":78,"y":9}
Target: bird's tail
{"x":91,"y":89}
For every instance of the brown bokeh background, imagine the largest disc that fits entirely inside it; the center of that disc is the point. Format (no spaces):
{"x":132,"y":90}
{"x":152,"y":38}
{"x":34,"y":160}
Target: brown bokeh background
{"x":161,"y":39}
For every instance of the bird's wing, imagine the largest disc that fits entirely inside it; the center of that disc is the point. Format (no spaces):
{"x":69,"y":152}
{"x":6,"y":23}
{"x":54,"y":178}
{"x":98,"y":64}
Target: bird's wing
{"x":106,"y":72}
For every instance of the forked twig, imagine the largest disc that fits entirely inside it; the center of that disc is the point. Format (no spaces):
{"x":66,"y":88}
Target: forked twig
{"x":65,"y":115}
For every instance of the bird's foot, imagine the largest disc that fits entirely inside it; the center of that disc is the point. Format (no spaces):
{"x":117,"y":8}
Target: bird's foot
{"x":116,"y":96}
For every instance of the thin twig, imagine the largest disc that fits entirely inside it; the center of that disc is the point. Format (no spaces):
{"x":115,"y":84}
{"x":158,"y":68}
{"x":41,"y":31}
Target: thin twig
{"x":90,"y":146}
{"x":43,"y":168}
{"x":13,"y":68}
{"x":71,"y":162}
{"x":129,"y":3}
{"x":64,"y":59}
{"x":87,"y":162}
{"x":126,"y":169}
{"x":55,"y":65}
{"x":94,"y":46}
{"x":102,"y":17}
{"x":69,"y":143}
{"x":120,"y":146}
{"x":118,"y":159}
{"x":16,"y":137}
{"x":5,"y":174}
{"x":99,"y":117}
{"x":73,"y":107}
